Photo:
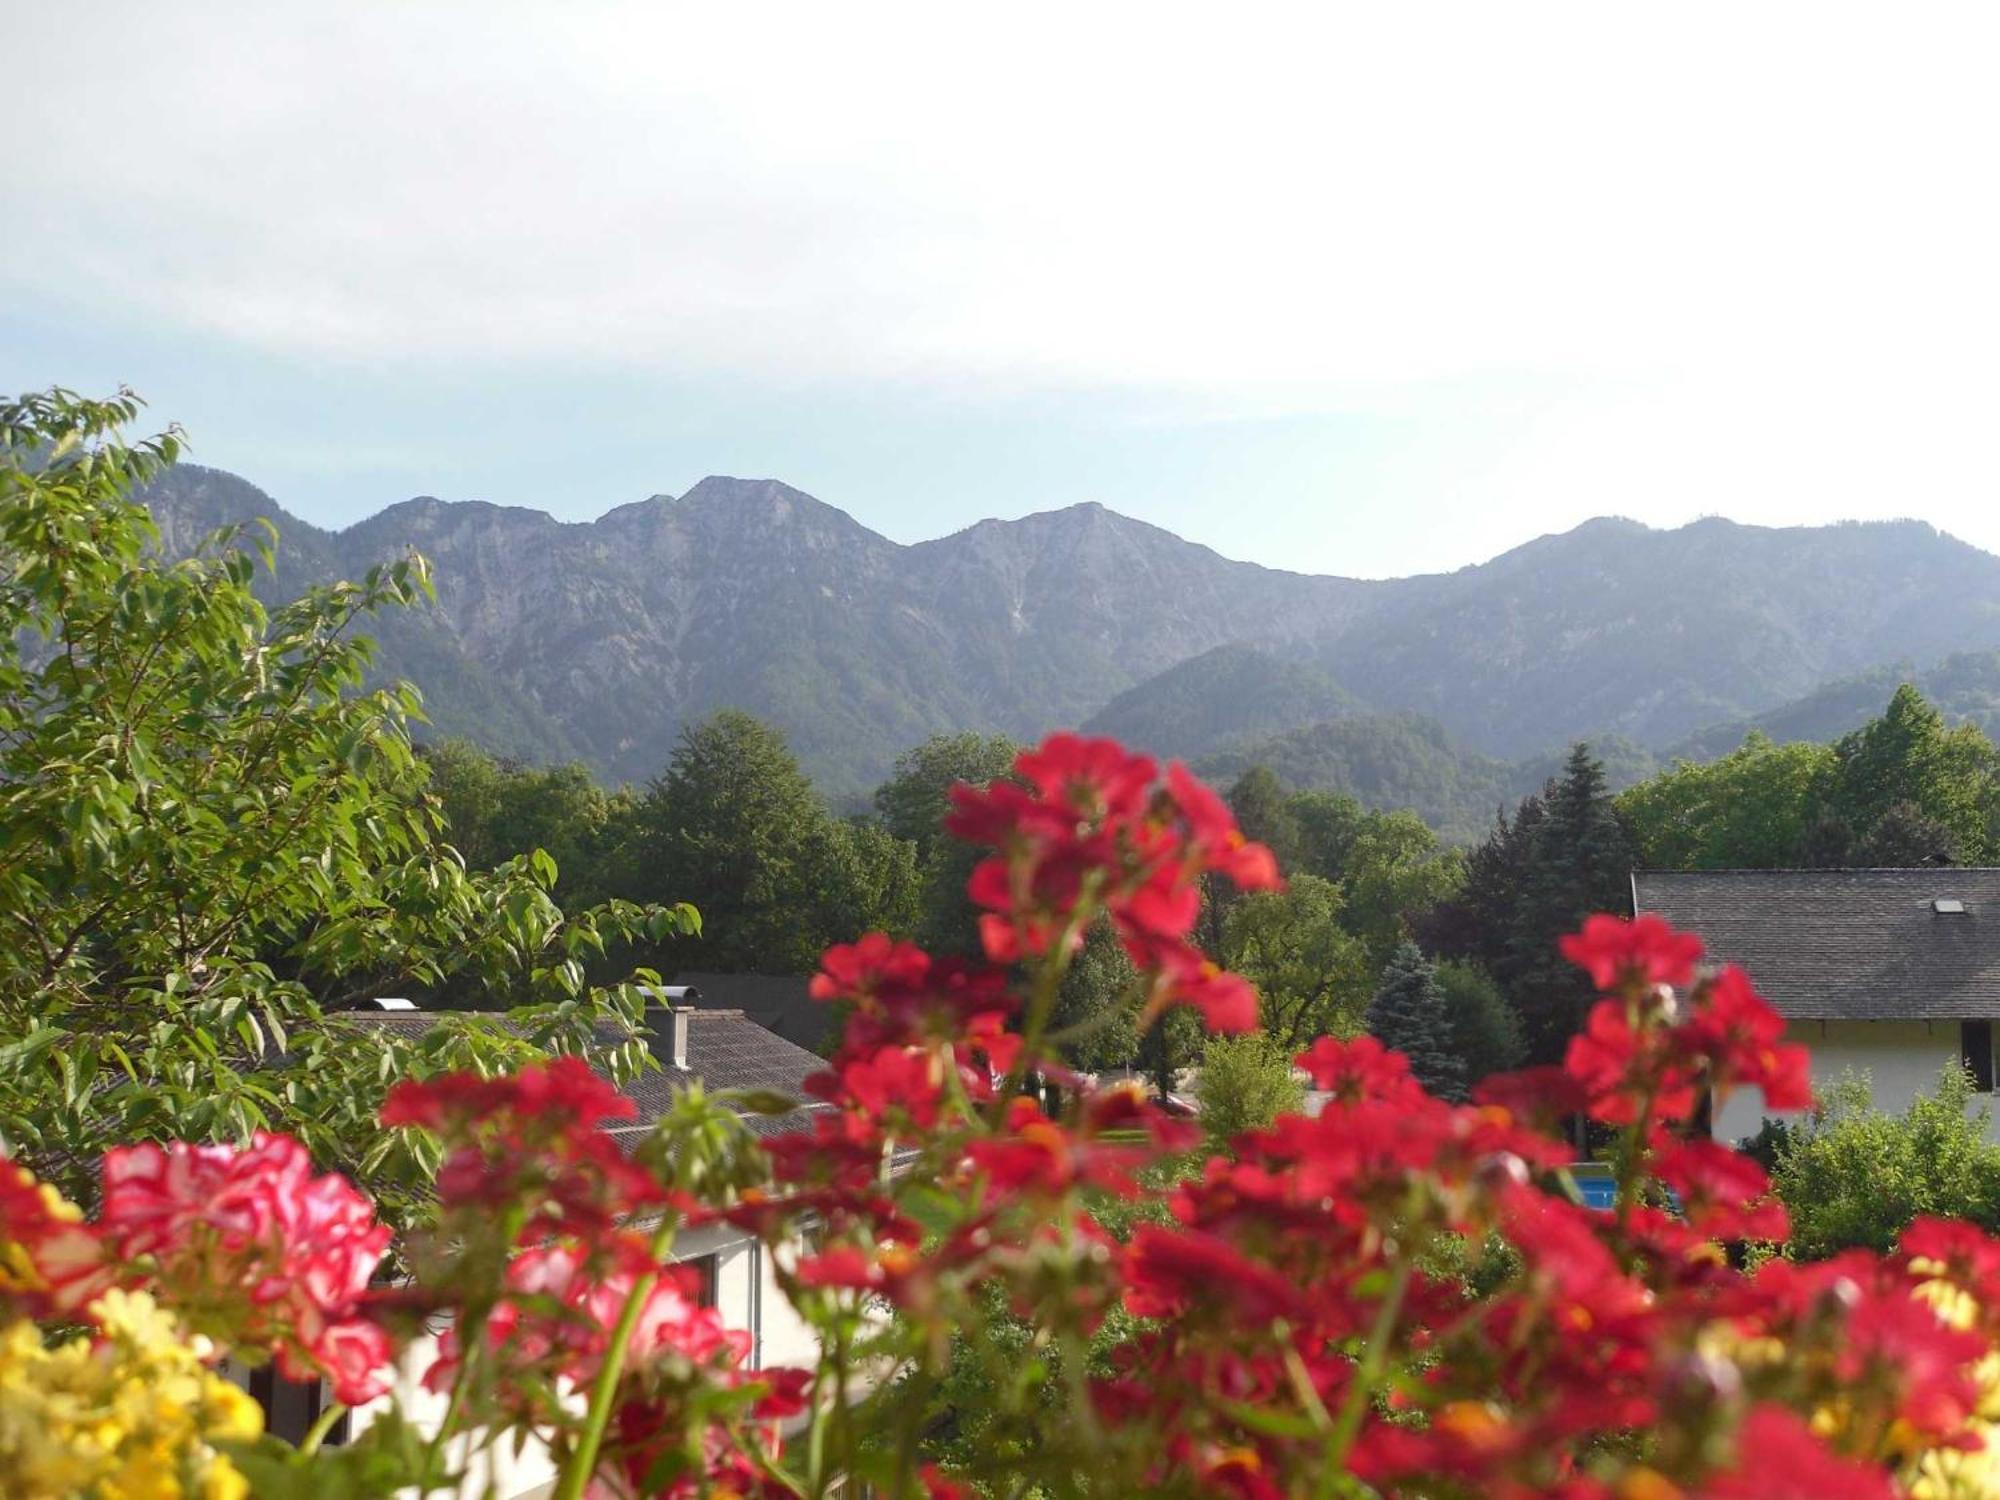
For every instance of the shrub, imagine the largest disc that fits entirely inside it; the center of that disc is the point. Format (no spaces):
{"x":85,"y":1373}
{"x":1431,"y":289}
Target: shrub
{"x":1246,"y":1083}
{"x":1855,"y":1176}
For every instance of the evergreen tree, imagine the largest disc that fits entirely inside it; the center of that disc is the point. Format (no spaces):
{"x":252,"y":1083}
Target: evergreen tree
{"x":1579,"y":861}
{"x":1408,"y":1015}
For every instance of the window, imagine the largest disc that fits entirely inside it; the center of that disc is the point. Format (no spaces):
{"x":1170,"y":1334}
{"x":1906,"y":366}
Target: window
{"x":291,"y":1407}
{"x":1975,"y":1047}
{"x":708,"y":1275}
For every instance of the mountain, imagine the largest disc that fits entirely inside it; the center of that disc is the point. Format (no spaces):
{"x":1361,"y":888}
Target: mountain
{"x":1654,"y":635}
{"x":1228,"y":695}
{"x":601,"y":639}
{"x":1404,"y":760}
{"x":1965,"y":688}
{"x":598,"y":640}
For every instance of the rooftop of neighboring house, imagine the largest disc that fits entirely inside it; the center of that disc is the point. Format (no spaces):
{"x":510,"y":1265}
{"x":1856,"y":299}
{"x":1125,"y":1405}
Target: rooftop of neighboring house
{"x":725,"y":1050}
{"x":777,"y":1002}
{"x":1855,"y":945}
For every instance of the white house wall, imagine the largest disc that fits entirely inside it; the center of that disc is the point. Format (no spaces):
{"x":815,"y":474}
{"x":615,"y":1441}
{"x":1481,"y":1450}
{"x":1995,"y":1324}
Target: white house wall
{"x":1901,"y":1059}
{"x":746,"y":1294}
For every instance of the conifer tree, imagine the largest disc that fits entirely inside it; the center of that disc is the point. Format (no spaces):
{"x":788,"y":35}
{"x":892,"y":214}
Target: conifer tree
{"x":1408,"y":1015}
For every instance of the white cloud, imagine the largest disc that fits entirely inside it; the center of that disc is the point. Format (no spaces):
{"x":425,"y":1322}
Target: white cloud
{"x":1776,"y":220}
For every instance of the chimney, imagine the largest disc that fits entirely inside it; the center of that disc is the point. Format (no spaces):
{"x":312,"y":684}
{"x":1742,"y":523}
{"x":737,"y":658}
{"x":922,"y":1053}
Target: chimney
{"x":680,"y":1014}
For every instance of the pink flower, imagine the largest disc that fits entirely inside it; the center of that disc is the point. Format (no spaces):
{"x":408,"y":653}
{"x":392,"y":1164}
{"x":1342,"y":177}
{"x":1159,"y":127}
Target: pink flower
{"x":255,"y":1250}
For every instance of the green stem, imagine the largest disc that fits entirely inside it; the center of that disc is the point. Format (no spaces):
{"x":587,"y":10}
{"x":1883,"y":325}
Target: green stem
{"x":1367,"y":1377}
{"x":583,"y":1462}
{"x":316,"y":1434}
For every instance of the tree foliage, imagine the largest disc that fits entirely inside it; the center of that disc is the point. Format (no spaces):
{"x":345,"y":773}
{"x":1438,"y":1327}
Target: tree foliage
{"x":1854,"y":1177}
{"x":211,"y":836}
{"x":1903,"y":789}
{"x":912,"y":805}
{"x":1313,"y":976}
{"x":780,"y":878}
{"x":1485,"y":1032}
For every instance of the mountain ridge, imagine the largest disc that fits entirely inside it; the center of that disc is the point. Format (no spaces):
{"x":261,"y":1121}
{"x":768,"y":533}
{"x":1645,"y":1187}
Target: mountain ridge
{"x":600,"y":639}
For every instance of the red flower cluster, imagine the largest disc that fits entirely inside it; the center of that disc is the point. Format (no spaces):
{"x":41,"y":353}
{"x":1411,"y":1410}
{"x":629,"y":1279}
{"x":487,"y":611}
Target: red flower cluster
{"x":249,"y":1245}
{"x":1395,"y":1292}
{"x":1310,"y":1305}
{"x":1092,"y":827}
{"x":530,"y":1143}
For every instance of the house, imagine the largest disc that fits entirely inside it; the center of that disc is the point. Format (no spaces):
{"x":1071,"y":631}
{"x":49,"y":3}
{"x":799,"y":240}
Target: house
{"x":721,"y":1049}
{"x":1893,"y":973}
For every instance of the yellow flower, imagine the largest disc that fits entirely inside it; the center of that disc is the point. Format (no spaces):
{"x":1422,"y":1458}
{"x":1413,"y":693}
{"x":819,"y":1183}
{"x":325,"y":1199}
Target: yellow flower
{"x":129,"y":1414}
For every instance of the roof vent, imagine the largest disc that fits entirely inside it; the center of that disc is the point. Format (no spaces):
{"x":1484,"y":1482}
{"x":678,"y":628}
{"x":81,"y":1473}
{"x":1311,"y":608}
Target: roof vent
{"x":386,"y":1002}
{"x":1948,"y":906}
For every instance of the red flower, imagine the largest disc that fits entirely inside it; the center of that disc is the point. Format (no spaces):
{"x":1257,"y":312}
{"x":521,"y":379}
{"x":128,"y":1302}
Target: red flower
{"x":871,"y":967}
{"x":1619,"y":1065}
{"x":564,"y":1093}
{"x":1738,"y":1033}
{"x":1093,"y":780}
{"x":1643,"y":952}
{"x":1169,"y":1273}
{"x":1178,"y":974}
{"x":1778,"y":1458}
{"x":1724,"y":1194}
{"x":1214,"y":840}
{"x":1358,"y":1069}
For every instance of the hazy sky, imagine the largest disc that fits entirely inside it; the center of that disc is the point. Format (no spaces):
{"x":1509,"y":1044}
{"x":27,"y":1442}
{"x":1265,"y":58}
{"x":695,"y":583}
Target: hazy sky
{"x":1370,"y":289}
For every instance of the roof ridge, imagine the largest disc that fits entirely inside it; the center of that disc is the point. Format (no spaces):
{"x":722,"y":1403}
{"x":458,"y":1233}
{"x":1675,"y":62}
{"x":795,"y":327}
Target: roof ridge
{"x":1825,"y":870}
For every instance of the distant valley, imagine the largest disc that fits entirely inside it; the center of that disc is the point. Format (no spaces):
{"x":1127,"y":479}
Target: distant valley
{"x":597,"y":641}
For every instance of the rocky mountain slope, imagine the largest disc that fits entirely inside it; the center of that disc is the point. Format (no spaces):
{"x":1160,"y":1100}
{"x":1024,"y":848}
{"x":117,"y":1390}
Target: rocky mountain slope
{"x":598,"y":640}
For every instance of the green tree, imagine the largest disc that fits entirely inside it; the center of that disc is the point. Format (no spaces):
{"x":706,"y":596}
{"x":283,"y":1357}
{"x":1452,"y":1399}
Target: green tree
{"x":1752,"y":809}
{"x":1905,"y":835}
{"x":1312,"y":975}
{"x":1246,"y":1083}
{"x":734,"y":819}
{"x":1094,"y":1008}
{"x":1485,"y":1032}
{"x":1263,"y":811}
{"x":913,"y":802}
{"x":1853,"y":1176}
{"x":1909,"y":756}
{"x":209,"y":831}
{"x":912,"y":805}
{"x":1396,"y":873}
{"x":1408,"y":1015}
{"x":495,"y":810}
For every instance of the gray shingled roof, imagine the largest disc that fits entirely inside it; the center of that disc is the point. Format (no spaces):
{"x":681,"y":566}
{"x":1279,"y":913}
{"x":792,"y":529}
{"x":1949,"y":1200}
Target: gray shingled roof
{"x":777,"y":1002}
{"x":1857,"y":945}
{"x":726,"y":1050}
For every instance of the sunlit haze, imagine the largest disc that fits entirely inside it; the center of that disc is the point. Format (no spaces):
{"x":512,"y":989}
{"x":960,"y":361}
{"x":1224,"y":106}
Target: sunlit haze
{"x":1359,"y":289}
